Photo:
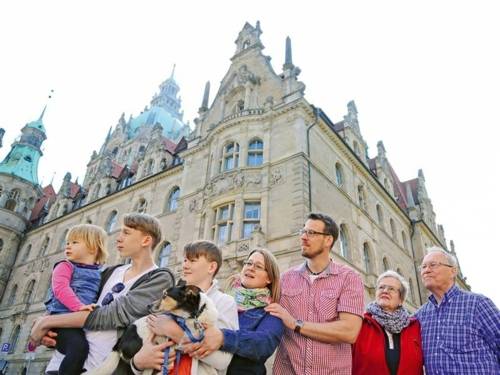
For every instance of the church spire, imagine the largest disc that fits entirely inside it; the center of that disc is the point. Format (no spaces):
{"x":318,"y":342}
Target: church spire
{"x":22,"y":160}
{"x":173,"y":71}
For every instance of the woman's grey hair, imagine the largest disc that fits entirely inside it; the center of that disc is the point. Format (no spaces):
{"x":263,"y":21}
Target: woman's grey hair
{"x":404,"y":284}
{"x":450,"y":258}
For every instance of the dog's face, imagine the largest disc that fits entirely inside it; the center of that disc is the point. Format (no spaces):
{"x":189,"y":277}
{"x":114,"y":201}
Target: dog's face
{"x":179,"y":297}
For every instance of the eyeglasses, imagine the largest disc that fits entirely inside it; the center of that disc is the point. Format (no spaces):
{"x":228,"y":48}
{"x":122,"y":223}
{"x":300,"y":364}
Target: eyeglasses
{"x":310,"y":232}
{"x":433,"y":265}
{"x":109,"y":297}
{"x":257,"y":266}
{"x":389,"y":288}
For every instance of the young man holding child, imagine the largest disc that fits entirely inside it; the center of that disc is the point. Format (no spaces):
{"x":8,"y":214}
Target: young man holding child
{"x":126,"y":292}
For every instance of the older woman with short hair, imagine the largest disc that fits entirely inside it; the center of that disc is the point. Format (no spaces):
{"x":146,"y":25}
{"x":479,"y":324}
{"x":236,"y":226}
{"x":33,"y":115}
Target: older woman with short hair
{"x":389,"y":341}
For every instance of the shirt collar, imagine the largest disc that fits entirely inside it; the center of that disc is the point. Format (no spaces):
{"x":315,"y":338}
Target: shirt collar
{"x":332,"y":269}
{"x":454,"y":290}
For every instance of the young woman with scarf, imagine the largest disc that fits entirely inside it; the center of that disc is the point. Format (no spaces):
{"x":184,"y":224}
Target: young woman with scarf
{"x":256,"y":286}
{"x":389,"y":342}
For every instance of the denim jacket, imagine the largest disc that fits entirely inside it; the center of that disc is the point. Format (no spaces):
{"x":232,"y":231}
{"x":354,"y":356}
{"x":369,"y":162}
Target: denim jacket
{"x":255,"y":341}
{"x":84,"y":283}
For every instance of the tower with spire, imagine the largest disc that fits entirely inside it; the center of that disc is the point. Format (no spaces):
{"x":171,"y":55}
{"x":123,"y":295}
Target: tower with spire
{"x":19,"y":191}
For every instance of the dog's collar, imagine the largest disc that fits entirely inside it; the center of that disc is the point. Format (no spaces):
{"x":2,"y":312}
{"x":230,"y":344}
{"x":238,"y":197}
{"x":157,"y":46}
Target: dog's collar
{"x":199,"y":312}
{"x":182,"y":323}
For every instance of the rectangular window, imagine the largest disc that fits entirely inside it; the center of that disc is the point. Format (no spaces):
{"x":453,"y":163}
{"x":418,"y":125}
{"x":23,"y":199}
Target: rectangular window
{"x":222,"y":228}
{"x":251,"y":217}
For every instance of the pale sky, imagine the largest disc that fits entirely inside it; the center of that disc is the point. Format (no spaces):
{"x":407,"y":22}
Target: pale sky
{"x":425,"y":78}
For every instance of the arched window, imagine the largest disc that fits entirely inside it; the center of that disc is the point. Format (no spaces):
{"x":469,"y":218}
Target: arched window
{"x":339,"y":175}
{"x":65,"y":210}
{"x":12,"y":296}
{"x":111,"y":222}
{"x":107,"y":190}
{"x":141,"y":206}
{"x":114,"y":152}
{"x":173,"y":199}
{"x":361,"y":197}
{"x":11,"y":203}
{"x":403,"y":237}
{"x":45,"y":246}
{"x":149,"y":167}
{"x":230,"y":156}
{"x":96,"y":191}
{"x":380,"y":215}
{"x":164,"y":255}
{"x":26,"y":253}
{"x":356,"y":148}
{"x":412,"y":291}
{"x":163,"y":164}
{"x":14,"y":338}
{"x":1,"y":244}
{"x":255,"y":153}
{"x":28,"y":292}
{"x":366,"y":258}
{"x":344,"y":243}
{"x":385,"y":264}
{"x":393,"y":229}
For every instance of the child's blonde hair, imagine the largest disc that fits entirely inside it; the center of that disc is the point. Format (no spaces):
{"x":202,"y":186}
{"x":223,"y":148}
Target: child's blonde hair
{"x":94,"y":238}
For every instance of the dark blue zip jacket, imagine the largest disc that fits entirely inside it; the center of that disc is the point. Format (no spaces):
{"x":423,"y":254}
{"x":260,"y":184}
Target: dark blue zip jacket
{"x":255,"y":341}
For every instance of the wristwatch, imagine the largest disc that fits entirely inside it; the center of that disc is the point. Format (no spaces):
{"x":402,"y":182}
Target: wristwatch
{"x":298,"y":325}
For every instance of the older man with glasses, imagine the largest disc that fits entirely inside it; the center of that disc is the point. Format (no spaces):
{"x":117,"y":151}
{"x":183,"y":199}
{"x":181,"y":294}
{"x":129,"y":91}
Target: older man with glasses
{"x":460,"y":330}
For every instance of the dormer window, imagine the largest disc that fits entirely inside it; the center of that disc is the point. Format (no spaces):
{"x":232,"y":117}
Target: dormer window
{"x":246,"y":44}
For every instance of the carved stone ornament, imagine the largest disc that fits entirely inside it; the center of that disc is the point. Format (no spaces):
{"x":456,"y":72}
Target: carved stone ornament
{"x":244,"y":76}
{"x":277,"y":177}
{"x":224,"y":183}
{"x":193,"y":205}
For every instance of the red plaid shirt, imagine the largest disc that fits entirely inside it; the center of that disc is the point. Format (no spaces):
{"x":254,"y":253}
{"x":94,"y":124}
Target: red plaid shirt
{"x":338,"y":289}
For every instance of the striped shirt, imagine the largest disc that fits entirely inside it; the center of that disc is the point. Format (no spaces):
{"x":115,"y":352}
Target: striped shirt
{"x":461,"y":335}
{"x":317,"y":300}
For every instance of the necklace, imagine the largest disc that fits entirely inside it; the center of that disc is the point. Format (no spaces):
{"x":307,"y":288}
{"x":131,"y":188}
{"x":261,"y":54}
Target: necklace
{"x":317,"y":273}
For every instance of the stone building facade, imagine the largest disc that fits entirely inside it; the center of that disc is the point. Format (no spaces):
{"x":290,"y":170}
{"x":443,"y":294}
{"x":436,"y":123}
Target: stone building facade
{"x":259,"y":159}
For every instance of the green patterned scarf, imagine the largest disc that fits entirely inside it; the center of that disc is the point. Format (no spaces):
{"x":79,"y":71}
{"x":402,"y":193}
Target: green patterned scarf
{"x":247,"y":299}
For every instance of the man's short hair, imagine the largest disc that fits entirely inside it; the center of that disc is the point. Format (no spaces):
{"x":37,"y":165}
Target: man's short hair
{"x":208,"y":249}
{"x":450,"y":258}
{"x":147,"y":224}
{"x":330,"y":226}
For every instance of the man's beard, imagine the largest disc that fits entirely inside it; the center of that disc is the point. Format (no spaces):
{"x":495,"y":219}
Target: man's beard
{"x":311,"y":254}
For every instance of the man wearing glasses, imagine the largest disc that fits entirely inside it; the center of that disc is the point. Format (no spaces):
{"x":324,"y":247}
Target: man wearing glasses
{"x":460,"y":330}
{"x":322,"y":306}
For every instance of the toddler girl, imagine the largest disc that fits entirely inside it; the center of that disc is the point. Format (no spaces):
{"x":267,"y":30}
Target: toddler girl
{"x":75,"y":286}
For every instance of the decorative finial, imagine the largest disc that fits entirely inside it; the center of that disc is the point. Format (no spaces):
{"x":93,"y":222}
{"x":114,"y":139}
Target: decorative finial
{"x":51,"y":92}
{"x":204,"y":103}
{"x":288,"y":54}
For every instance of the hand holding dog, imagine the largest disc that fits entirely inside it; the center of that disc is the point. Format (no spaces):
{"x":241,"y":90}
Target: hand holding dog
{"x":151,"y":356}
{"x":162,"y":325}
{"x":213,"y":341}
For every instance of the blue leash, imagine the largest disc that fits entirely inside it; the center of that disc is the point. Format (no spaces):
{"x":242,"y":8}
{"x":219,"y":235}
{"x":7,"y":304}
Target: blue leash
{"x":182,"y":323}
